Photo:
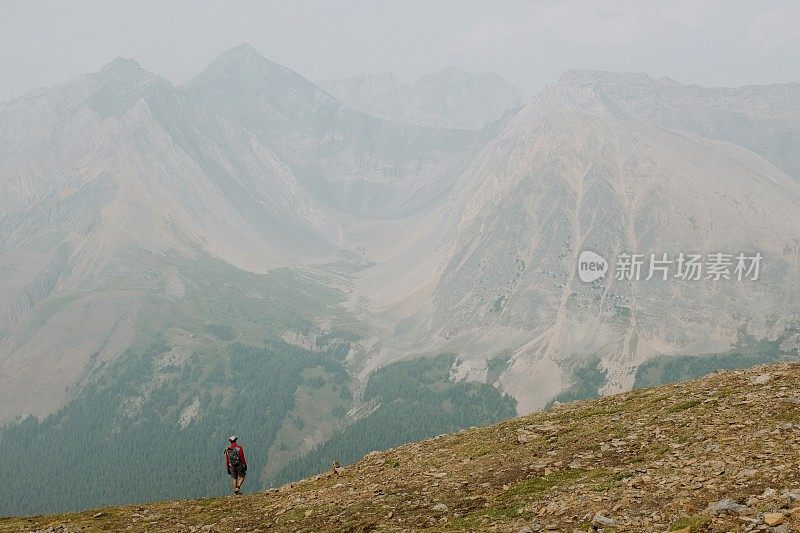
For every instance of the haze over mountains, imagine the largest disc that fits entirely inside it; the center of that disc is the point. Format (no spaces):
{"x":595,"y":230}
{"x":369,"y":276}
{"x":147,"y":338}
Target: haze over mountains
{"x":152,"y":236}
{"x":449,"y":98}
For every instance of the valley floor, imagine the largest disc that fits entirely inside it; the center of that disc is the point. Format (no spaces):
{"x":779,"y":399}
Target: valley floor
{"x":716,"y":454}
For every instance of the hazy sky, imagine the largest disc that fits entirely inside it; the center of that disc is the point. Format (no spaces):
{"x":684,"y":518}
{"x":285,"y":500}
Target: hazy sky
{"x":528,"y":42}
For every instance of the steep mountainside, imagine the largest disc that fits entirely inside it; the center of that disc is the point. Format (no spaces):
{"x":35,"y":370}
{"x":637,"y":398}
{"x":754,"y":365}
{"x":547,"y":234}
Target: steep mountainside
{"x":450,"y":98}
{"x":248,"y":163}
{"x":717,"y":454}
{"x":499,"y":279}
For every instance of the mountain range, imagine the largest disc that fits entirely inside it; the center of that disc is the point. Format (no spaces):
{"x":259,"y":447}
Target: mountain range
{"x":364,"y":262}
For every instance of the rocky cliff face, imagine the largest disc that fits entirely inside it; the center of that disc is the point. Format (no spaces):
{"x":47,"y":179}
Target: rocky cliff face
{"x":571,"y":172}
{"x":717,"y":454}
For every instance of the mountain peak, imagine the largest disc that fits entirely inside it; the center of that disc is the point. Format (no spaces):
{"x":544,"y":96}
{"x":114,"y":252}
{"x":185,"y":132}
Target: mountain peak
{"x":242,"y":79}
{"x":124,"y":72}
{"x":237,"y":60}
{"x":242,"y":51}
{"x":122,"y":64}
{"x":243,"y":68}
{"x":243,"y":55}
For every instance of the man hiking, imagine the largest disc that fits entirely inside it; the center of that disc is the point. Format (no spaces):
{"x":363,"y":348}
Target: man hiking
{"x":235,"y":463}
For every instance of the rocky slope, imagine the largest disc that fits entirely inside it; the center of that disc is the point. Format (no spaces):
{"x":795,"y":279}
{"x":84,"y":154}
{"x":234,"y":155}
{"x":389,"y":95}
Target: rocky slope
{"x":568,"y":173}
{"x":715,"y":454}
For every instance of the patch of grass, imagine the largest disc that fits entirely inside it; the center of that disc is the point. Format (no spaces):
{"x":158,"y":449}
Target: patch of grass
{"x":292,"y":515}
{"x":662,"y":451}
{"x":696,"y":523}
{"x":723,"y":392}
{"x":606,"y":485}
{"x":500,"y":513}
{"x":469,"y":522}
{"x":683,"y":406}
{"x":538,"y":485}
{"x":593,"y":412}
{"x":682,"y":438}
{"x":483,"y":450}
{"x":660,"y":398}
{"x":788,"y":414}
{"x":209,"y":502}
{"x":621,"y":476}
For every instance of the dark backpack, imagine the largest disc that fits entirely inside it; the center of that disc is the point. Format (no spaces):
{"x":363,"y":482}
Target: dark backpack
{"x":233,"y":457}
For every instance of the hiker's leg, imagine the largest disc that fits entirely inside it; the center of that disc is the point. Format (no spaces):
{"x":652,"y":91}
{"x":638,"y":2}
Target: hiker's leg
{"x":240,"y":481}
{"x":234,"y":482}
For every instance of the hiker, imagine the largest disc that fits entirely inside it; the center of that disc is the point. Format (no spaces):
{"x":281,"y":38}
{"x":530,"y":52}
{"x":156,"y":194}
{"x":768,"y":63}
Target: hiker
{"x":236,"y":463}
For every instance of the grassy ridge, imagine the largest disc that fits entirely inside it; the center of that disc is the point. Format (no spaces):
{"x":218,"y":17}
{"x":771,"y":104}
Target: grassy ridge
{"x":655,"y":459}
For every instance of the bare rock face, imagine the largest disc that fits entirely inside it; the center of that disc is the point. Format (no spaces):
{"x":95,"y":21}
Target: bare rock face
{"x":571,"y":172}
{"x":449,"y":98}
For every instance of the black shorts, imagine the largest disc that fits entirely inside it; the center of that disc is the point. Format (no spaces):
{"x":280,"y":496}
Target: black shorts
{"x":238,"y":471}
